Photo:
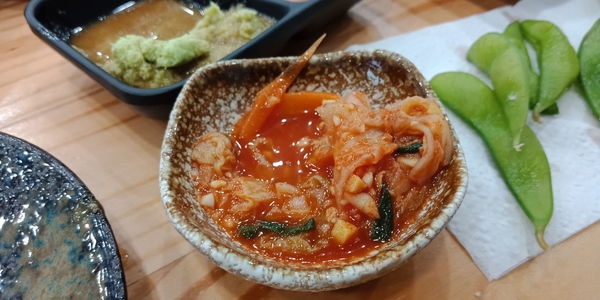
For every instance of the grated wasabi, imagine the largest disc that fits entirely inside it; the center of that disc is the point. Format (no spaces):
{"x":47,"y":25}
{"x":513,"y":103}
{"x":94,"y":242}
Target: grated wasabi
{"x":147,"y":62}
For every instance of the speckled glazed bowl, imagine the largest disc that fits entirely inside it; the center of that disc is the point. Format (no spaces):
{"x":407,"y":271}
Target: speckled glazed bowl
{"x":213,"y":100}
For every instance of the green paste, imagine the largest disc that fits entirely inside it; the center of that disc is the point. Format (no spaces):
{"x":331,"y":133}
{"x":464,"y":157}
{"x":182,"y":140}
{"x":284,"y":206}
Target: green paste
{"x":149,"y":63}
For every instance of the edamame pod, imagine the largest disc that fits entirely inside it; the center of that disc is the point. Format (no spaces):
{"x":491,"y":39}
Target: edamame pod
{"x":589,"y":59}
{"x":486,"y":49}
{"x":527,"y":173}
{"x":509,"y":77}
{"x":557,"y":60}
{"x":513,"y":33}
{"x":507,"y":66}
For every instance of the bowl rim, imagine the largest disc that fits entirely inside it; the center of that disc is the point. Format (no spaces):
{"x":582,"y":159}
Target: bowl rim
{"x":307,"y":279}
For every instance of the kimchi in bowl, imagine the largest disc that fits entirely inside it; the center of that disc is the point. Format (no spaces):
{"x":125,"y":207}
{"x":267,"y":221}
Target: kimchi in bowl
{"x":214,"y":100}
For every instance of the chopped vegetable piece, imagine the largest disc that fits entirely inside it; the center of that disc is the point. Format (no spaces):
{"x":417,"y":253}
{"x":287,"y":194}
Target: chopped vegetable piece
{"x":266,"y":100}
{"x":248,"y":231}
{"x":527,"y":173}
{"x":355,"y":184}
{"x":409,"y":149}
{"x":251,"y":231}
{"x":208,"y":200}
{"x":383,"y":227}
{"x":365,"y":204}
{"x":557,"y":60}
{"x":589,"y":59}
{"x":342,"y":231}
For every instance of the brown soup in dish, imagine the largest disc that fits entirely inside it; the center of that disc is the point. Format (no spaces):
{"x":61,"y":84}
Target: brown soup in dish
{"x":152,"y":18}
{"x":156,"y":43}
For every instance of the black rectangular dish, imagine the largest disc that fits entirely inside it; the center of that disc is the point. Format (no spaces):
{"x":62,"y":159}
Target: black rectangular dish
{"x":55,"y":21}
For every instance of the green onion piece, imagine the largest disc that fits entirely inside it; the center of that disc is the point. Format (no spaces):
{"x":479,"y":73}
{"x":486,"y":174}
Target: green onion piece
{"x":409,"y":149}
{"x":383,"y":227}
{"x":251,"y":231}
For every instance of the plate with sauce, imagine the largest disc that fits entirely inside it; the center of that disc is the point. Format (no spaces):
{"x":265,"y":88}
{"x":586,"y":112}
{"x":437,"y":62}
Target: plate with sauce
{"x":86,"y":32}
{"x":55,"y":241}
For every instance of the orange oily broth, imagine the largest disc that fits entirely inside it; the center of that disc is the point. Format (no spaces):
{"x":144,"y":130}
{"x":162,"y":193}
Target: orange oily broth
{"x":150,"y":18}
{"x":290,"y":166}
{"x":290,"y":163}
{"x":283,"y":159}
{"x":288,"y":160}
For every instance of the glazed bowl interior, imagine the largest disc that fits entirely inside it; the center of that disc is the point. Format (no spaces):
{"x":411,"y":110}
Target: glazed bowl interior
{"x":214,"y":99}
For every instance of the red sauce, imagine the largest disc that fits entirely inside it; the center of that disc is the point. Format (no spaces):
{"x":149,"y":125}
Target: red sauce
{"x":291,"y":149}
{"x":288,"y":161}
{"x":290,"y":165}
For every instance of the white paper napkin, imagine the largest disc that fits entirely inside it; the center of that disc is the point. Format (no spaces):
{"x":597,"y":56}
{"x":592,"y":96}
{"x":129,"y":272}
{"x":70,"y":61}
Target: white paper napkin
{"x":490,"y":224}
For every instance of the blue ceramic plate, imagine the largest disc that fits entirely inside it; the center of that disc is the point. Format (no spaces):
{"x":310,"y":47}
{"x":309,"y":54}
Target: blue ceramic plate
{"x":55,"y":242}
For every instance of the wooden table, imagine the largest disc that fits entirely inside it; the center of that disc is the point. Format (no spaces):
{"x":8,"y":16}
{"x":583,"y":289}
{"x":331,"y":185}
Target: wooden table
{"x":49,"y":102}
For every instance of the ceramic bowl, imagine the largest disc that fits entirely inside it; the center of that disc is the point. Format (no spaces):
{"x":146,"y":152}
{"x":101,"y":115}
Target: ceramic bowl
{"x":213,"y":100}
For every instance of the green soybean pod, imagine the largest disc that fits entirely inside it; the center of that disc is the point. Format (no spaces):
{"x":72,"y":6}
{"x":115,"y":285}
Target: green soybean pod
{"x":513,"y":33}
{"x":510,"y":79}
{"x":507,"y":66}
{"x":486,"y":49}
{"x":527,"y":173}
{"x":557,"y":60}
{"x":589,"y":59}
{"x":489,"y":46}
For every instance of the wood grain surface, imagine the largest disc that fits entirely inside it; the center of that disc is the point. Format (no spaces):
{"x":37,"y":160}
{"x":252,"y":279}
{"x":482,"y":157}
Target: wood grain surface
{"x":47,"y":101}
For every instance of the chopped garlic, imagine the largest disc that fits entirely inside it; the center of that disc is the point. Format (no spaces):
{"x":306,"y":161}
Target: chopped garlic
{"x":365,"y":203}
{"x":337,"y":121}
{"x":331,"y":214}
{"x":216,"y":184}
{"x":282,"y":188}
{"x":368,"y":178}
{"x":407,"y":161}
{"x":208,"y":200}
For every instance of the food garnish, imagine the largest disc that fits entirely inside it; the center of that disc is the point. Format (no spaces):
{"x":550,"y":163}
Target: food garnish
{"x":252,"y":231}
{"x":384,"y":226}
{"x":409,"y":149}
{"x":527,"y":172}
{"x":589,"y":59}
